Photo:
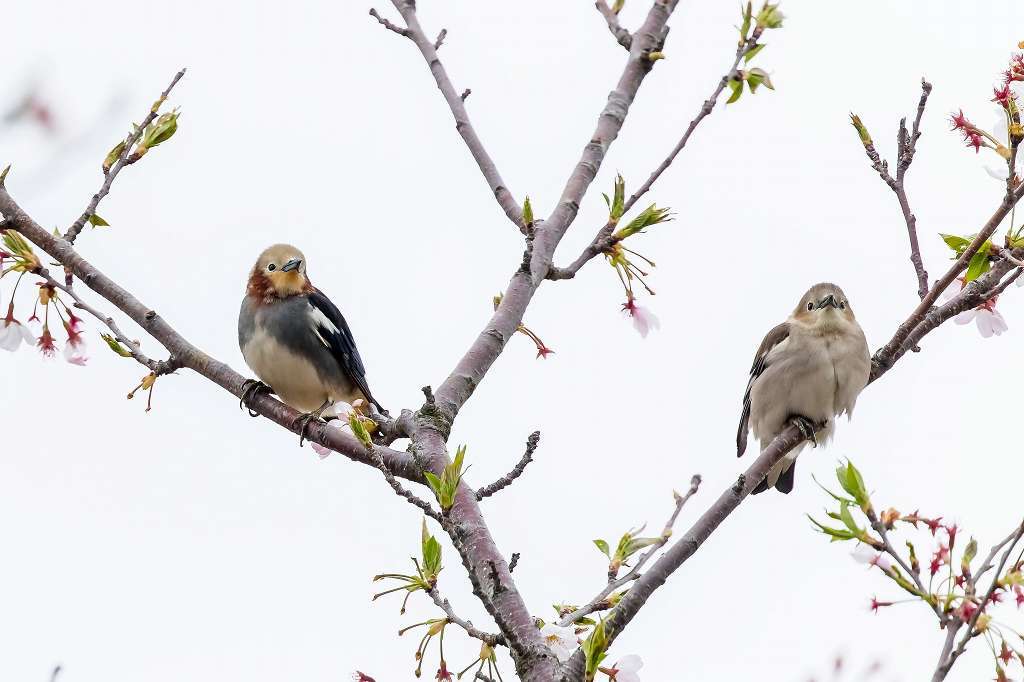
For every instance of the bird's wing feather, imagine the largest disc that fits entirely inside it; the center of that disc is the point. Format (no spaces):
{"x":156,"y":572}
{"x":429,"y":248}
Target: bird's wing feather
{"x":333,"y":331}
{"x":772,"y":339}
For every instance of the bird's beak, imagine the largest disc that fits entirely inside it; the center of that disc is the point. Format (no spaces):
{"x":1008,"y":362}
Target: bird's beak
{"x":293,"y":264}
{"x":829,"y":300}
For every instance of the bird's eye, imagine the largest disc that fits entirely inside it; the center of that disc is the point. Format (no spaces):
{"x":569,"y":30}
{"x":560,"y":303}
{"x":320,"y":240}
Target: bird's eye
{"x":271,"y":267}
{"x":842,"y":305}
{"x":810,"y":305}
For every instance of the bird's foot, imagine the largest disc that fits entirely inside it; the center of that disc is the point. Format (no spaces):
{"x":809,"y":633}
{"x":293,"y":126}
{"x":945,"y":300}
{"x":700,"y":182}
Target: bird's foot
{"x":250,"y":388}
{"x":304,"y":421}
{"x":806,"y":427}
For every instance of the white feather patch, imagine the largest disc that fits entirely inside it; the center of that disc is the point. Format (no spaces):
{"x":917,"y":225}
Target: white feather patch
{"x":318,"y":319}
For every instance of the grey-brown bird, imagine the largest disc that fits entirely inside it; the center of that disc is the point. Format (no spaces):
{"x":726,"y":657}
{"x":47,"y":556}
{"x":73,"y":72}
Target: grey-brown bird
{"x":808,"y":370}
{"x":297,"y":341}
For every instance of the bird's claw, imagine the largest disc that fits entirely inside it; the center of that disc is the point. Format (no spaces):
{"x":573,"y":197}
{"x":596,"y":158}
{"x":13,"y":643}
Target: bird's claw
{"x":303,"y":421}
{"x":806,"y":427}
{"x":250,"y":388}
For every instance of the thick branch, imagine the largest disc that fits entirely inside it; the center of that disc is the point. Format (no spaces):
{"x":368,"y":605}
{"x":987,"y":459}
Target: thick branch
{"x":427,"y":47}
{"x":621,"y":35}
{"x":883,"y":360}
{"x":188,"y":355}
{"x":517,"y":471}
{"x":603,"y":239}
{"x":487,"y":569}
{"x":121,"y":162}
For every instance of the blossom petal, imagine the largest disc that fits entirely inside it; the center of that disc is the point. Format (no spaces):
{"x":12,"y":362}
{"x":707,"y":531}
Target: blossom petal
{"x":629,"y":663}
{"x":321,"y":451}
{"x":10,"y":337}
{"x":965,"y":317}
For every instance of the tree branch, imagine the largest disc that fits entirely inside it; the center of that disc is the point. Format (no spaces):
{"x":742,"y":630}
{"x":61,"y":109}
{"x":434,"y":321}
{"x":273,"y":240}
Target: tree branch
{"x":906,"y":147}
{"x":427,"y":47}
{"x":884,"y":359}
{"x":686,"y":546}
{"x":121,"y":162}
{"x":188,"y":355}
{"x":488,"y":637}
{"x":600,"y":602}
{"x":388,"y":25}
{"x":949,"y":654}
{"x":621,"y":35}
{"x":603,"y":239}
{"x":517,"y":471}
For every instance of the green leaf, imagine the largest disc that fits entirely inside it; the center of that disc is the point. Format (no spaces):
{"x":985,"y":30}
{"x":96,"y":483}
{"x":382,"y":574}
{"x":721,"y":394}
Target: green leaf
{"x":853,"y":483}
{"x":3,"y":174}
{"x":113,"y":155}
{"x":847,"y":518}
{"x":752,"y":52}
{"x":748,"y":14}
{"x":636,"y":544}
{"x":359,"y":430}
{"x":837,"y":534}
{"x":617,"y":202}
{"x":862,"y":131}
{"x":770,"y":16}
{"x":527,"y":212}
{"x":757,"y":77}
{"x":618,"y":5}
{"x":837,"y":498}
{"x":652,"y":215}
{"x":434,"y":482}
{"x":956,"y":242}
{"x":970,"y":552}
{"x":979,"y":265}
{"x":594,"y":648}
{"x":736,"y":86}
{"x":603,"y":546}
{"x":116,"y":346}
{"x":97,"y":221}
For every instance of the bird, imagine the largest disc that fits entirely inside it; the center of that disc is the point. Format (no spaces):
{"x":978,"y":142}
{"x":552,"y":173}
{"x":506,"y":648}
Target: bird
{"x":297,"y":341}
{"x":808,"y":370}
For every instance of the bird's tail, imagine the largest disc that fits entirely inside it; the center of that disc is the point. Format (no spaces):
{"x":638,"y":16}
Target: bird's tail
{"x":781,"y":476}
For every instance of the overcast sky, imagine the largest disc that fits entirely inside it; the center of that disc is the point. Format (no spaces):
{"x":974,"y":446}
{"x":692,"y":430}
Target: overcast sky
{"x":195,"y":543}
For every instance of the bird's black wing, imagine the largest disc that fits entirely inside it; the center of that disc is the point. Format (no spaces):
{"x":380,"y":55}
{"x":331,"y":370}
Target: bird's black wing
{"x":333,"y":330}
{"x":776,"y":336}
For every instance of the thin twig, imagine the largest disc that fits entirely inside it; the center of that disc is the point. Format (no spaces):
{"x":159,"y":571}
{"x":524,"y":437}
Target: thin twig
{"x":402,"y":492}
{"x":906,"y":147}
{"x":883,"y":533}
{"x":517,"y":471}
{"x":489,"y":170}
{"x":440,"y":39}
{"x":685,"y":547}
{"x":603,"y":239}
{"x":488,"y":637}
{"x":704,"y":112}
{"x":600,"y":602}
{"x":158,"y":367}
{"x":970,"y":633}
{"x":621,"y":35}
{"x":388,"y":25}
{"x":121,"y":162}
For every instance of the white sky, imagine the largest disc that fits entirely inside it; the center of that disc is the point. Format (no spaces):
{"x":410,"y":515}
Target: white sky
{"x":195,"y":543}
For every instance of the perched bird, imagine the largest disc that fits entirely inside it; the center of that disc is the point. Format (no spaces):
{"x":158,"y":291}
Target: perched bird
{"x":808,"y":370}
{"x":297,"y":341}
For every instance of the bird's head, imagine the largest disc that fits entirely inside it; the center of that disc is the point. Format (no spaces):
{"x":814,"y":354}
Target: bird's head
{"x":280,"y":272}
{"x":824,"y":307}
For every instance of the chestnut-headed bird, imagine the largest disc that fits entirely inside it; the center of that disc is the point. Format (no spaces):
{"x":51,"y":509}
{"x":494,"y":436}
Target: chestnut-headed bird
{"x":808,"y":370}
{"x":297,"y":341}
